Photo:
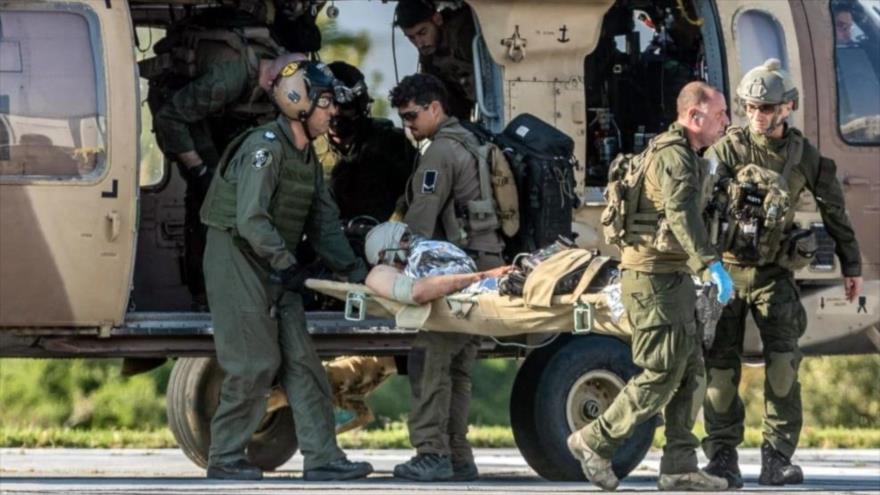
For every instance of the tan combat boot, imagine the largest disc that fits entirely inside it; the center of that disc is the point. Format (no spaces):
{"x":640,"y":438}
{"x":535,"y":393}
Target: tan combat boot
{"x":596,"y":468}
{"x":698,"y":481}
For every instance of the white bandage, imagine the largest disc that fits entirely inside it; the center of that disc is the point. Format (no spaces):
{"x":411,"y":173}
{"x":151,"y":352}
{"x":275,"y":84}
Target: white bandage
{"x":402,"y":290}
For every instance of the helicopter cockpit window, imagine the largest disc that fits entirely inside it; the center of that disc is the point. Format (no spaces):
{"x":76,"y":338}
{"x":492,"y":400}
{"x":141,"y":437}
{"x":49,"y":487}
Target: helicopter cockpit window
{"x":857,"y":62}
{"x":51,"y":110}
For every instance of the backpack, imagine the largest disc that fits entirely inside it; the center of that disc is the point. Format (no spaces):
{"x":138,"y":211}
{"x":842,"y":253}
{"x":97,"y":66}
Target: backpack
{"x":178,"y":54}
{"x":498,"y":205}
{"x":542,"y":161}
{"x":622,"y":223}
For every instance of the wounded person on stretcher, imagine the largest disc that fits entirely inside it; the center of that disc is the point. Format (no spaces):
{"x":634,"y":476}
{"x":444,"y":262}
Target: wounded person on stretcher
{"x":413,"y":270}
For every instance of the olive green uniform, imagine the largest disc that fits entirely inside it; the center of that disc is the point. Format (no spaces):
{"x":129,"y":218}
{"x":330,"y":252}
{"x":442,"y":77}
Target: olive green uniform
{"x":659,"y":297}
{"x":453,"y":60}
{"x":769,"y":292}
{"x":370,"y":175}
{"x":204,"y":114}
{"x":266,"y":196}
{"x":440,"y":363}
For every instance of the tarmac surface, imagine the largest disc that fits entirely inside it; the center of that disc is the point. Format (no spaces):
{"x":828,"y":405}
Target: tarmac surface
{"x":503,"y":471}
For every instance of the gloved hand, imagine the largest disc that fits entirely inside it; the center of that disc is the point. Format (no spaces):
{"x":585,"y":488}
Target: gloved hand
{"x":198,"y":179}
{"x":721,"y":279}
{"x":293,"y":278}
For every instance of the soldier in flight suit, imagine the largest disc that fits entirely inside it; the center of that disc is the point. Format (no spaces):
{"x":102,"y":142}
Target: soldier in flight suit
{"x":216,"y":90}
{"x":439,"y":364}
{"x":444,"y":40}
{"x":765,"y":288}
{"x":367,"y":160}
{"x":268,"y":192}
{"x":659,"y":296}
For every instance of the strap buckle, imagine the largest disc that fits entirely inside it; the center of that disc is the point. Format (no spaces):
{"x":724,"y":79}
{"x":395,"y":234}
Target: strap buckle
{"x":583,"y":317}
{"x":355,"y":306}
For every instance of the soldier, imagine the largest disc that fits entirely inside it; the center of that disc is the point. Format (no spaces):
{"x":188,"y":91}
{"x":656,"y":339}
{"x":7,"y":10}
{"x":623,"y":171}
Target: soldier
{"x":659,"y":296}
{"x":765,"y":288}
{"x":444,"y":40}
{"x":209,"y":83}
{"x":367,"y":160}
{"x":436,"y":201}
{"x":269,"y":192}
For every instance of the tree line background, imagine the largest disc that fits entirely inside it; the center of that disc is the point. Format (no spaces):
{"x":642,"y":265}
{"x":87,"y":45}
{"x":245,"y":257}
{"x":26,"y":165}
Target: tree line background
{"x":837,"y":392}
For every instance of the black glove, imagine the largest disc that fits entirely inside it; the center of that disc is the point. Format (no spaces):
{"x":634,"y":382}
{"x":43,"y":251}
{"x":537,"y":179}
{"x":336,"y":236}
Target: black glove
{"x":293,"y":278}
{"x":198,"y":179}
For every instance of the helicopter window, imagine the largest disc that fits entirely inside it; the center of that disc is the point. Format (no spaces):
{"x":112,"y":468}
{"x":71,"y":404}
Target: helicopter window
{"x":759,"y":37}
{"x":52,"y":113}
{"x":857,"y":62}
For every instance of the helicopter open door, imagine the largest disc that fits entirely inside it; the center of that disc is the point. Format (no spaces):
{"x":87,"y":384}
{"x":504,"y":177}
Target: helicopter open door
{"x":68,"y":195}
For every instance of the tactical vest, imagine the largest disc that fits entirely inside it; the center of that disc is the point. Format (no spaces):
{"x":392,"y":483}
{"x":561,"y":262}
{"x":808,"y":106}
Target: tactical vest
{"x":181,"y":54}
{"x":291,"y":200}
{"x":622,"y":222}
{"x":498,"y":206}
{"x":754,"y":209}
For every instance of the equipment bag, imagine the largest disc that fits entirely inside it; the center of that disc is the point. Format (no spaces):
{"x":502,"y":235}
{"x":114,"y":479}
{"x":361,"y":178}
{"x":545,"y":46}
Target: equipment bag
{"x":542,"y":161}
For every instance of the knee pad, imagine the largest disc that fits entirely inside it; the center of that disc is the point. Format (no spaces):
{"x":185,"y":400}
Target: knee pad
{"x":782,"y":372}
{"x":721,"y":389}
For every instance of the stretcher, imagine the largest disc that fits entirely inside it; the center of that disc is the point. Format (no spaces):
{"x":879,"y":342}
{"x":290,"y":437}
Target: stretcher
{"x":490,"y":314}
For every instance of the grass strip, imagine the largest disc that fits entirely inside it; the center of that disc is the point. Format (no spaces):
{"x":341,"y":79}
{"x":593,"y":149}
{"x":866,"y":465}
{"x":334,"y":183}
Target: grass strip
{"x":393,"y":436}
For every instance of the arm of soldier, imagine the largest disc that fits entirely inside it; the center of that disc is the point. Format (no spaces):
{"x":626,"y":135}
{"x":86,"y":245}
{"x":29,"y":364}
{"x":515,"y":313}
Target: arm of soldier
{"x":680,"y":184}
{"x":257,"y":180}
{"x":431,"y":187}
{"x":829,"y":196}
{"x":206,"y":95}
{"x":324,"y":232}
{"x":724,"y":156}
{"x":390,"y":282}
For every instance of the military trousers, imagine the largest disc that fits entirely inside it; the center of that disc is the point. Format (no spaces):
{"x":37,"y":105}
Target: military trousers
{"x":660,"y":307}
{"x":769,"y":293}
{"x":255,"y":344}
{"x":440,"y":366}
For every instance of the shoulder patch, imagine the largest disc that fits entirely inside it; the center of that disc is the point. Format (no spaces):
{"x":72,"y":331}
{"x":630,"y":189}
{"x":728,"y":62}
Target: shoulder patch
{"x":261,"y":158}
{"x":429,"y":182}
{"x":270,"y":136}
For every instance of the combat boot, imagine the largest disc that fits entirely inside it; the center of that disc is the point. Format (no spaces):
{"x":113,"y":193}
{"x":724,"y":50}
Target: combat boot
{"x":697,"y":481}
{"x":725,"y":464}
{"x":777,"y":469}
{"x":338,"y":470}
{"x":426,"y":467}
{"x":240,"y":470}
{"x":596,"y":468}
{"x":464,"y":471}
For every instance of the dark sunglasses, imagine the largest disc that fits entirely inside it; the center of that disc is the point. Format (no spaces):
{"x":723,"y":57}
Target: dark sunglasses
{"x":763,"y":108}
{"x":412,"y":114}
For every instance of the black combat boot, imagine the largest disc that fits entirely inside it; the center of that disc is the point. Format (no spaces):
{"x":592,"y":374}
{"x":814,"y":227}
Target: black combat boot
{"x":464,"y":471}
{"x":426,"y":467}
{"x":338,"y":470}
{"x":725,"y":464}
{"x":777,"y":469}
{"x":240,"y":470}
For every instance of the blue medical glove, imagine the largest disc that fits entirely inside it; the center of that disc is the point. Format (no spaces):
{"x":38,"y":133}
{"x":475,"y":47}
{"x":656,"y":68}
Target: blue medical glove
{"x":722,"y":280}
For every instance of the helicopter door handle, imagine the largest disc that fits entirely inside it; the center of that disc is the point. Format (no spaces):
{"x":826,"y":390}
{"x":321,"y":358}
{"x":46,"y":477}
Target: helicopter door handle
{"x":115,"y":224}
